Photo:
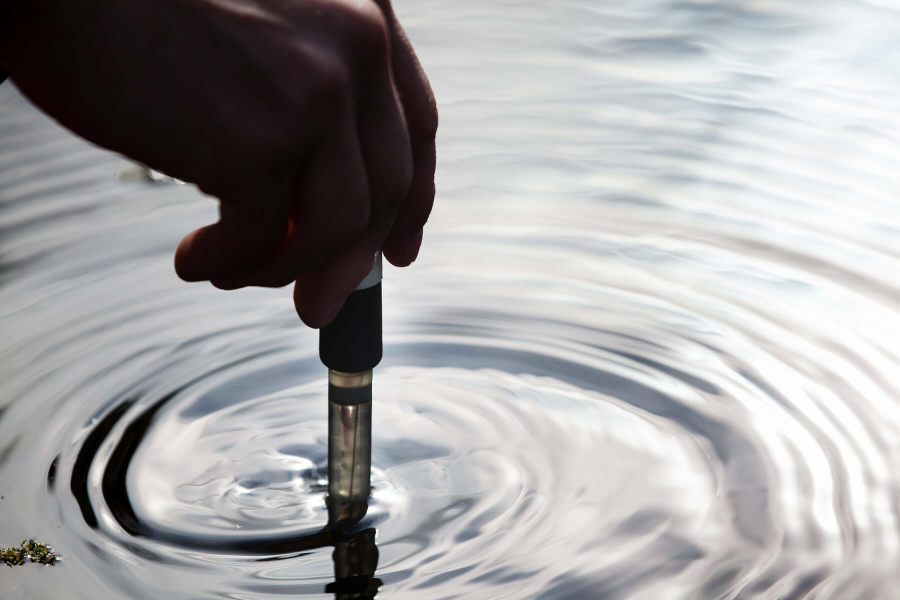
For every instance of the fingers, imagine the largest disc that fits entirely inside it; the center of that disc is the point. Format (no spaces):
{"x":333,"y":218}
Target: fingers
{"x":369,"y":185}
{"x":402,"y":245}
{"x":319,"y":295}
{"x":248,"y":229}
{"x":385,"y":145}
{"x":330,"y":209}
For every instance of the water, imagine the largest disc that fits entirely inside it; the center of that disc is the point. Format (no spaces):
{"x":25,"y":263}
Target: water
{"x":649,"y":350}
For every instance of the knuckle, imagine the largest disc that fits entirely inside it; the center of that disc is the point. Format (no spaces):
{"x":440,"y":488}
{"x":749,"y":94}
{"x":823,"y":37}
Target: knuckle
{"x":331,"y":83}
{"x":369,"y":29}
{"x":257,"y":144}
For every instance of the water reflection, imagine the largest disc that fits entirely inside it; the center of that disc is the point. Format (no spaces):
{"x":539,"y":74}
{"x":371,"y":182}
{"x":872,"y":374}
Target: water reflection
{"x":355,"y":561}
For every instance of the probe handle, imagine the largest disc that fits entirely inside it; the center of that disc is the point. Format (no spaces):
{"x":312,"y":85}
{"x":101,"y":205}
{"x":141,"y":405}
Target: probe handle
{"x":351,"y":343}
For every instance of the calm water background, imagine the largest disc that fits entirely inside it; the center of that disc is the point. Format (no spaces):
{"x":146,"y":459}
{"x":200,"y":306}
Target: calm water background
{"x":650,"y":349}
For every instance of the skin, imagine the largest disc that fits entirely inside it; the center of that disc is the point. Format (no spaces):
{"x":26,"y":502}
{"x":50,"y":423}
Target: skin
{"x":311,"y":122}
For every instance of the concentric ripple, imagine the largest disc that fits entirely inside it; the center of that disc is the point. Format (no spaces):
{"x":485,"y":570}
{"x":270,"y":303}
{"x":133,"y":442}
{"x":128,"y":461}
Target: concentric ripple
{"x":478,"y":472}
{"x":650,"y":349}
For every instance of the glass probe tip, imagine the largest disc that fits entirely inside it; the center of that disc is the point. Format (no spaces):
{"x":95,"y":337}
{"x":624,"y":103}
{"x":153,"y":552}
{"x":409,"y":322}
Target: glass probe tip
{"x":349,"y":446}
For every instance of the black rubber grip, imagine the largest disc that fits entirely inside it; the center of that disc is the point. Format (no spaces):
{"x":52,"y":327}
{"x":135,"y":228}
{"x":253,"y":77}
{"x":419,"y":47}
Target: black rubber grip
{"x":352,"y":342}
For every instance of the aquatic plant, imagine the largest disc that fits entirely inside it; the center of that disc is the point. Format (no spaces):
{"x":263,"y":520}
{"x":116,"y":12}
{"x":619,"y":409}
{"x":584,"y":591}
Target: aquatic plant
{"x":27,"y":550}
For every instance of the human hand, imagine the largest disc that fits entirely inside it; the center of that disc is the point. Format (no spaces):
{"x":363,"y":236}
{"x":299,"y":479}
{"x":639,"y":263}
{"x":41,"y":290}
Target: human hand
{"x":310,"y":120}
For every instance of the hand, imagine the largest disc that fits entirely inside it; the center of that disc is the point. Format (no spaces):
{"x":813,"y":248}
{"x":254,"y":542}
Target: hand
{"x":310,"y":120}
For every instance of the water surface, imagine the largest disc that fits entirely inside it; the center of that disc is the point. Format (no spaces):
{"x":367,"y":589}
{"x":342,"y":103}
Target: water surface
{"x":649,"y":350}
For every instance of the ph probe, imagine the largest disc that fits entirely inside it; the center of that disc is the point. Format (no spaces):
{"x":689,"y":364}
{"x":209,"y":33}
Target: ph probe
{"x":351,"y":347}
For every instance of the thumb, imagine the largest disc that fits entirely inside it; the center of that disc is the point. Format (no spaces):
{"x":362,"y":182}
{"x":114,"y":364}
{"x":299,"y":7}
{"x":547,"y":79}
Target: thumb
{"x":245,"y":234}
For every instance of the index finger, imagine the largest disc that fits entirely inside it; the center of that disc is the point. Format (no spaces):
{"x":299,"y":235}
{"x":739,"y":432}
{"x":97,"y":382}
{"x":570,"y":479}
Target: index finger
{"x":248,"y":229}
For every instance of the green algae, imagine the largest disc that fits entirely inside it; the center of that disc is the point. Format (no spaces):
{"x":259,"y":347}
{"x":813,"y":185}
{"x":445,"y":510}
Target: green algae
{"x":28,"y":550}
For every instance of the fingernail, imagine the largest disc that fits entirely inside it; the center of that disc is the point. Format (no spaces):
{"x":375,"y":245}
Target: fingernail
{"x":413,"y":251}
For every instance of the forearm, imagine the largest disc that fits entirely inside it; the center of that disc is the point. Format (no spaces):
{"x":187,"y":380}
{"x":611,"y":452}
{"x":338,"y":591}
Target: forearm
{"x":46,"y":45}
{"x":119,"y":73}
{"x":21,"y":21}
{"x":11,"y":23}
